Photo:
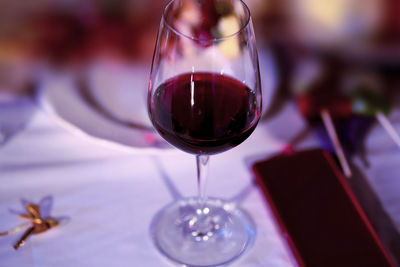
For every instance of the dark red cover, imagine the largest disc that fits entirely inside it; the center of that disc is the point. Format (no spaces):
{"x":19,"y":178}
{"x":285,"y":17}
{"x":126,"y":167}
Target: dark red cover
{"x":318,"y":214}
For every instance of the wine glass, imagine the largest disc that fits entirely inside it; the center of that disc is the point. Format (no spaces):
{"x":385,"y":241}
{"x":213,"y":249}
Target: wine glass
{"x":204,"y":98}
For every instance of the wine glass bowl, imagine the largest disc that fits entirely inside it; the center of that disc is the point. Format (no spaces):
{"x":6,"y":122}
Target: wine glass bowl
{"x":207,"y":48}
{"x":204,"y":98}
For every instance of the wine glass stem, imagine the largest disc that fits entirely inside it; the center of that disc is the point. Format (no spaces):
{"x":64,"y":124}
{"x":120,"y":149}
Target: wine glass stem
{"x":202,"y":169}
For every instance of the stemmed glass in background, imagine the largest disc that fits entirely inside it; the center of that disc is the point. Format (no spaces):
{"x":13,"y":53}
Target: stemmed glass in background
{"x":204,"y":98}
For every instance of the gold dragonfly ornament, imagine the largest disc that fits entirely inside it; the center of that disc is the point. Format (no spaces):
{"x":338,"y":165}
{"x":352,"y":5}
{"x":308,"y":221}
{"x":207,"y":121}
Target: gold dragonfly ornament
{"x":36,"y":225}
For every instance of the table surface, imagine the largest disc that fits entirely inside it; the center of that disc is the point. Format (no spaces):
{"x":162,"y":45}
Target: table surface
{"x":106,"y":198}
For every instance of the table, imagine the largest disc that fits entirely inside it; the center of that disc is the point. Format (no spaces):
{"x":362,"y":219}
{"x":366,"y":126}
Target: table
{"x":106,"y":198}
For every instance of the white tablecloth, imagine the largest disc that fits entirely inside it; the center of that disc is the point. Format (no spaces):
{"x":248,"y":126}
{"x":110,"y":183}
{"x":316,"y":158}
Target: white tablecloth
{"x":106,"y":198}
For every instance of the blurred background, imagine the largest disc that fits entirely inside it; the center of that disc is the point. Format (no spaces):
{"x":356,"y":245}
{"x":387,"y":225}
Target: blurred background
{"x":342,"y":55}
{"x":335,"y":54}
{"x":360,"y":35}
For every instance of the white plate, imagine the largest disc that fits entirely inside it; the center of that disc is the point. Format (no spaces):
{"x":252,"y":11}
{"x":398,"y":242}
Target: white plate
{"x":94,"y":108}
{"x":110,"y":104}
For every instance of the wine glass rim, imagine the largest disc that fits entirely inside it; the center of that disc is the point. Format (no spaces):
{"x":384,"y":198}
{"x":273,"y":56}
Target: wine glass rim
{"x":172,"y":28}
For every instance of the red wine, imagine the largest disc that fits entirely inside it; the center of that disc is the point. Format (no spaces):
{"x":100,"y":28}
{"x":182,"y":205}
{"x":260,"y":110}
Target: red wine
{"x":204,"y":113}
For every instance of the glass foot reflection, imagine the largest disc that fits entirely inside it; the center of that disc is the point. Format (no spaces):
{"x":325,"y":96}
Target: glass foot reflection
{"x":191,"y":233}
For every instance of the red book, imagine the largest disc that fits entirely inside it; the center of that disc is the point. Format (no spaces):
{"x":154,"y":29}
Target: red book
{"x":319,"y":216}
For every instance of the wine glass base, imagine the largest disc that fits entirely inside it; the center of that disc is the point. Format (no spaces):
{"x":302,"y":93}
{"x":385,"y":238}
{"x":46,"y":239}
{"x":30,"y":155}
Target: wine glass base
{"x":212,"y":234}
